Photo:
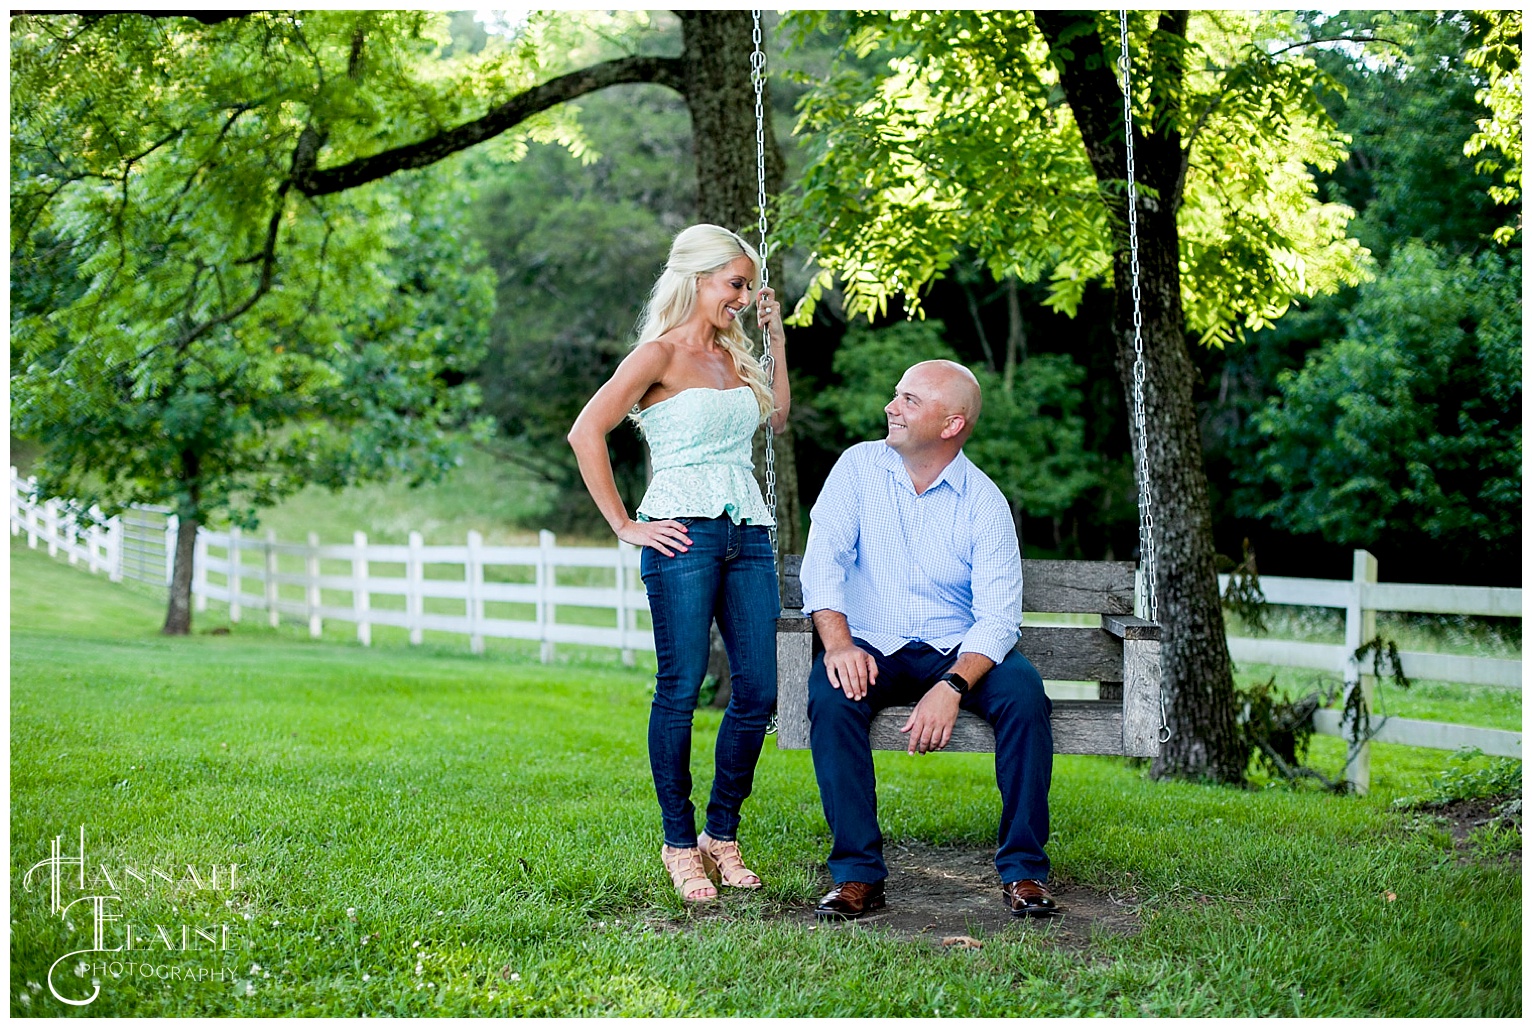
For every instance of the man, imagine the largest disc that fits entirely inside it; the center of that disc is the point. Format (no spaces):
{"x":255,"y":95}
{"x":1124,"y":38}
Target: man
{"x":912,"y":574}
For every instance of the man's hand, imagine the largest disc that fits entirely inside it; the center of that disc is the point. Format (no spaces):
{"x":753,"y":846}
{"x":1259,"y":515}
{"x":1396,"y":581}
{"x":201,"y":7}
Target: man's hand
{"x":929,"y":725}
{"x":851,"y":670}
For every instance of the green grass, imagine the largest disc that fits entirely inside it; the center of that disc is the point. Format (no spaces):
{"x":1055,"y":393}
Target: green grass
{"x":478,"y":818}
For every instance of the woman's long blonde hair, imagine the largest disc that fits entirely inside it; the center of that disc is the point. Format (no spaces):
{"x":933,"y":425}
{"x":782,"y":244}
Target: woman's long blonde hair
{"x":702,"y":250}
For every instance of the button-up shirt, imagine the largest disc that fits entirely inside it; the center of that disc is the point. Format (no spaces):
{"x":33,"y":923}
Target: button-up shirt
{"x":941,"y":567}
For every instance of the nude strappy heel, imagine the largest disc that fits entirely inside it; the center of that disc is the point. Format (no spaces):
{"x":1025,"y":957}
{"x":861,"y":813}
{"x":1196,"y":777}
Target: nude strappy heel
{"x":722,"y":856}
{"x":687,"y":874}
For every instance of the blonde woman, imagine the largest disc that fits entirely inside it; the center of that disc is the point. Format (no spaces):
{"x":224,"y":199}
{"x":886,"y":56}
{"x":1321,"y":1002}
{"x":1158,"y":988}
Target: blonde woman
{"x":698,"y":395}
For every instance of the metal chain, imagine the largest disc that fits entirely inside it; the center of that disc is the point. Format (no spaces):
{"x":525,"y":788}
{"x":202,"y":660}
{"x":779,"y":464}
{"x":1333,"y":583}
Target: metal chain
{"x":1145,"y":496}
{"x":768,"y":364}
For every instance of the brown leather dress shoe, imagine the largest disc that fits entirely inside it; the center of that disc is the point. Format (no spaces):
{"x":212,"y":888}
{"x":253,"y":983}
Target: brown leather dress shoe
{"x":1028,"y":898}
{"x":850,"y":900}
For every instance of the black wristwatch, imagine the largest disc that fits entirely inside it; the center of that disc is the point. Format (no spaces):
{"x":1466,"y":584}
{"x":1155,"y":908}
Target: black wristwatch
{"x":957,"y":682}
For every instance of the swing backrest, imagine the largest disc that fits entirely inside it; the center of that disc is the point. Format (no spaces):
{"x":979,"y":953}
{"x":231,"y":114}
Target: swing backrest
{"x":1124,"y":649}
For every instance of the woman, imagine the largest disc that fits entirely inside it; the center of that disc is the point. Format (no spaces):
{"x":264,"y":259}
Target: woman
{"x":698,"y":396}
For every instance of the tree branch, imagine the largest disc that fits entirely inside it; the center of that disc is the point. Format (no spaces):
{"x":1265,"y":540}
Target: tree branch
{"x":664,"y":71}
{"x":1090,"y":88}
{"x":205,"y":17}
{"x":1334,"y":39}
{"x":304,"y":156}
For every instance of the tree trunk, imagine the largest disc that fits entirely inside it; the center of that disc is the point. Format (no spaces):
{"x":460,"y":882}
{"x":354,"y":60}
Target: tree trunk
{"x":1198,"y":680}
{"x":715,"y":72}
{"x":178,"y":616}
{"x":1015,"y":336}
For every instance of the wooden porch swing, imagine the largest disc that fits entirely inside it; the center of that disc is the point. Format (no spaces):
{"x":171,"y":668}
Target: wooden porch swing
{"x":1122,"y":655}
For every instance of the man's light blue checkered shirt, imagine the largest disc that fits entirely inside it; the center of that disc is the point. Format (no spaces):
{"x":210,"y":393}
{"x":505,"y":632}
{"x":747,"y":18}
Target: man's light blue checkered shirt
{"x":942,"y":568}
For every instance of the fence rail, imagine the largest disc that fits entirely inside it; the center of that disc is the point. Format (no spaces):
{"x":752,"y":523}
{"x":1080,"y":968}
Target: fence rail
{"x":247,"y":574}
{"x":1362,"y":597}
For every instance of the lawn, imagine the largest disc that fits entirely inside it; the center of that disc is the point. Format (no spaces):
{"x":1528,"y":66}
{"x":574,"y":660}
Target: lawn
{"x":420,"y":831}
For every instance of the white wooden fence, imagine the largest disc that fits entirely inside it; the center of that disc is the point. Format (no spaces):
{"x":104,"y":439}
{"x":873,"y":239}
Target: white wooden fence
{"x":1361,"y":598}
{"x":248,"y":574}
{"x":477,"y":583}
{"x":474,"y":580}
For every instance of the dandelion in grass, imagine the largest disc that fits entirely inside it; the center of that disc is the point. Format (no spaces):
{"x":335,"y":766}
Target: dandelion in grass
{"x":25,"y":999}
{"x":366,"y":977}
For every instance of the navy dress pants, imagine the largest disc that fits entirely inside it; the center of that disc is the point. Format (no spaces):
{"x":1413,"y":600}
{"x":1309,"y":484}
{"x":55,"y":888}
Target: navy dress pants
{"x":1010,"y":698}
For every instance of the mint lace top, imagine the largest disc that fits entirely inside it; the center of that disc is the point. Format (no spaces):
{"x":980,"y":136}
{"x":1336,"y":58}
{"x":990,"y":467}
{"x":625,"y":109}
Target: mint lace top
{"x":699,"y":449}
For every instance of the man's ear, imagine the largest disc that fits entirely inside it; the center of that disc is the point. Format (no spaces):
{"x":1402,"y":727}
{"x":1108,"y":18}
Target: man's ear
{"x":956,"y":425}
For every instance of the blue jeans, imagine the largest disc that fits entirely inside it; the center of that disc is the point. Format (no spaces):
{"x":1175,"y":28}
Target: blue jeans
{"x":728,"y":574}
{"x":1010,"y":698}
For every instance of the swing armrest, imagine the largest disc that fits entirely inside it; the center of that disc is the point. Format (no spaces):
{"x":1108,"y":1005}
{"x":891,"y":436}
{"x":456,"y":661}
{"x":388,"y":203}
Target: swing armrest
{"x":794,"y":621}
{"x":1125,"y":626}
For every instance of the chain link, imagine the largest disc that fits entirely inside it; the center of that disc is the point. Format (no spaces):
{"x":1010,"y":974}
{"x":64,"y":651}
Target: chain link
{"x":1145,"y":496}
{"x":768,"y":364}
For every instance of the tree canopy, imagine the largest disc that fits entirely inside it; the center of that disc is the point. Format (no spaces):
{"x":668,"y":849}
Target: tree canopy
{"x":193,"y":329}
{"x":938,"y":130}
{"x":1410,"y":423}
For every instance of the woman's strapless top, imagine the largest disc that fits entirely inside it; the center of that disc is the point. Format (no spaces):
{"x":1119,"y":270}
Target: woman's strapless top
{"x":699,"y":449}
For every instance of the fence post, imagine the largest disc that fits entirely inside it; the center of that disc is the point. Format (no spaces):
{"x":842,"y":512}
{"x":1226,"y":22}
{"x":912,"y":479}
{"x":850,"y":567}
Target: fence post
{"x":172,"y":525}
{"x":71,"y":538}
{"x":93,"y":541}
{"x":31,"y":513}
{"x":273,"y":616}
{"x":473,"y":578}
{"x":311,"y":569}
{"x":114,"y":549}
{"x":51,"y":522}
{"x":234,"y":586}
{"x":15,"y":501}
{"x":546,"y":611}
{"x":199,"y":571}
{"x":625,"y":610}
{"x":1361,"y":627}
{"x":361,"y":599}
{"x":414,"y":603}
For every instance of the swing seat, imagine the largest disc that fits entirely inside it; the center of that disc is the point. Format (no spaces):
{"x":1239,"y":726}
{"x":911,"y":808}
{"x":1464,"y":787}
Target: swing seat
{"x":1122,"y":655}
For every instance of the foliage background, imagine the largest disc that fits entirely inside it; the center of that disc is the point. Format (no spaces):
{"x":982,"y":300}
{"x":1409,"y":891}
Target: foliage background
{"x":569,"y":221}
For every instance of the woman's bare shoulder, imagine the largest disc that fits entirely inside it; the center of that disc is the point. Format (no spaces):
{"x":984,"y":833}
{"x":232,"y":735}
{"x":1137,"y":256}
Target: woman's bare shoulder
{"x":651,"y":355}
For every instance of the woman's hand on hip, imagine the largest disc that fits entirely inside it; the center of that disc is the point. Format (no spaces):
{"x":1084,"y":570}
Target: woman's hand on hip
{"x":660,"y":535}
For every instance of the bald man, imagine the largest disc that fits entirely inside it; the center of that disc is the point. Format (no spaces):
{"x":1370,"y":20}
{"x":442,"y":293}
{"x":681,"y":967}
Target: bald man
{"x":912,"y":575}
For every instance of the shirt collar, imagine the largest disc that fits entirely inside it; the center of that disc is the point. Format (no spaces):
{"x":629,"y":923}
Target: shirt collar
{"x":955,"y":474}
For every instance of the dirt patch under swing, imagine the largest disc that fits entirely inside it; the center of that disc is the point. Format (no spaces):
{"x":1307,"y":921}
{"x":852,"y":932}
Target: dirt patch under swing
{"x":939,"y":892}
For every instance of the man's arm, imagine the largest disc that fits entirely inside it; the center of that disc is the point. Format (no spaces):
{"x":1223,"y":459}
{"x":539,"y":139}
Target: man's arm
{"x":930,"y":724}
{"x":831,"y":551}
{"x":996,"y":581}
